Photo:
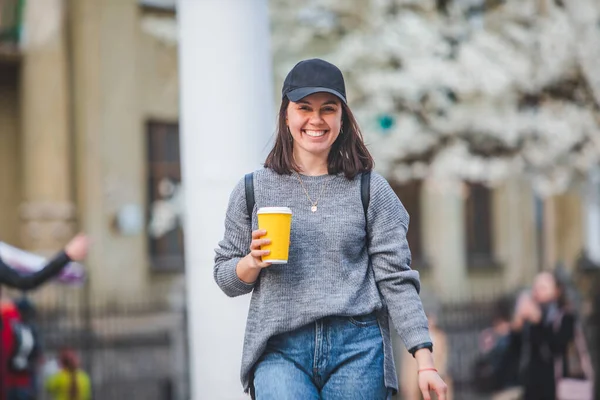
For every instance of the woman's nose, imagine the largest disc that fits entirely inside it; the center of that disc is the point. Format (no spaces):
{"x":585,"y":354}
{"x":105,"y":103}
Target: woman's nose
{"x":316,"y":118}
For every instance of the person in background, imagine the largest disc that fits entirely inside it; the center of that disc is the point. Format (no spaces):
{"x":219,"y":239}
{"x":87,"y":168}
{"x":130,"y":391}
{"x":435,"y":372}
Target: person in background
{"x":31,"y":354}
{"x":75,"y":250}
{"x":497,"y":369}
{"x":70,"y":382}
{"x":15,"y":386}
{"x":542,"y":328}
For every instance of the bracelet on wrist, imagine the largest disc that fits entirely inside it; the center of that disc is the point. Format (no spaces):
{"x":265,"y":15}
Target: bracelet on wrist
{"x":426,"y":369}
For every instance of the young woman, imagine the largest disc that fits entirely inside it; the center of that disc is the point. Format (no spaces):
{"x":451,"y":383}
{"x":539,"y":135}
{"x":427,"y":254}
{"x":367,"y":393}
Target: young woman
{"x":317,"y":326}
{"x":543,"y":327}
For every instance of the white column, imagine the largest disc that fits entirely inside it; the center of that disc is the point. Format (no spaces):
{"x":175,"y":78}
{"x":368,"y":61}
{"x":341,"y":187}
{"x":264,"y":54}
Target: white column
{"x":592,"y":216}
{"x":227,"y":119}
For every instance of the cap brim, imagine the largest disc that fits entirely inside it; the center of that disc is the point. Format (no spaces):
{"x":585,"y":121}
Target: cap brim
{"x":300,"y":93}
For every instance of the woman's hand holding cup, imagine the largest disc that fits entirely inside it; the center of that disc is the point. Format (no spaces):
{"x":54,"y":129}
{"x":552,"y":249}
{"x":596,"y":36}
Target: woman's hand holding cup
{"x":265,"y":251}
{"x":249,"y":267}
{"x":256,"y":253}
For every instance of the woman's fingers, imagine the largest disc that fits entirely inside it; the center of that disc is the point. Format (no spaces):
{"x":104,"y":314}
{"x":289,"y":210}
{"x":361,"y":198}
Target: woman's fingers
{"x":432,"y":381}
{"x":258,"y":233}
{"x":259,"y":253}
{"x":441,"y":392}
{"x":255,"y":248}
{"x":264,"y":264}
{"x":257,"y":243}
{"x":440,"y":388}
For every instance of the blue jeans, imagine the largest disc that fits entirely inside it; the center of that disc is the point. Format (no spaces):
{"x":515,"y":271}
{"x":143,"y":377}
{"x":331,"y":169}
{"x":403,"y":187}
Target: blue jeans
{"x":334,"y":358}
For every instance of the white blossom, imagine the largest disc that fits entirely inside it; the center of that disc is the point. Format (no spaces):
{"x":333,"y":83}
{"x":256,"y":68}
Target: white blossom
{"x":480,"y":90}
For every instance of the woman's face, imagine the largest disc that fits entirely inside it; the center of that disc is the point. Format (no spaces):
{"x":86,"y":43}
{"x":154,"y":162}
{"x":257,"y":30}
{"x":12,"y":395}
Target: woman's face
{"x":544,"y":288}
{"x":315,"y":122}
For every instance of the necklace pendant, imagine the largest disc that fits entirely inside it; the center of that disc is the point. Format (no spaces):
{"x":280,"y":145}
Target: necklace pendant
{"x":313,"y":209}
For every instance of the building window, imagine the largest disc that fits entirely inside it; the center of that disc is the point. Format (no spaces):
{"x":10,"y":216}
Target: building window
{"x":478,"y":220}
{"x":409,"y":194}
{"x":165,"y":233}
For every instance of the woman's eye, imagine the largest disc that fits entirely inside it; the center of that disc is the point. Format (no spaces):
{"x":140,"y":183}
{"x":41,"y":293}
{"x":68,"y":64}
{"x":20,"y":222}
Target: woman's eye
{"x":303,"y":108}
{"x":329,"y":109}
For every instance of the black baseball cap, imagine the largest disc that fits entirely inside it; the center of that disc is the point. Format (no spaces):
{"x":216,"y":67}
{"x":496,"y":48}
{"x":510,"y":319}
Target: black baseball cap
{"x":313,"y":76}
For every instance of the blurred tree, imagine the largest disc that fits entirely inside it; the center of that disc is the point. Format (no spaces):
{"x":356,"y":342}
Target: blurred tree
{"x":474,"y":89}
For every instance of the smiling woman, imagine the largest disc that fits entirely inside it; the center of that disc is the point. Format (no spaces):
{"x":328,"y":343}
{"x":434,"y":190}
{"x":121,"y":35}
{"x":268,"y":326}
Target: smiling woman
{"x":316,"y":128}
{"x":315,"y":123}
{"x":348,"y":269}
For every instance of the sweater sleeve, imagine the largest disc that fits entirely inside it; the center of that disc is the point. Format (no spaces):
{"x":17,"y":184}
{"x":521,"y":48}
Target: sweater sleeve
{"x":390,"y":258}
{"x":235,"y":245}
{"x":14,"y":279}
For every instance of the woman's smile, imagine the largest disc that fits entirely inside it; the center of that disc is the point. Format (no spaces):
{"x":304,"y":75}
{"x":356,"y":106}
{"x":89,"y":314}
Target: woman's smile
{"x":314,"y":133}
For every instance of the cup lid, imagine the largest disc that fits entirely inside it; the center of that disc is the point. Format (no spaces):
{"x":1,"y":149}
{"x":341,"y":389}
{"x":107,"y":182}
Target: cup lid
{"x":274,"y":210}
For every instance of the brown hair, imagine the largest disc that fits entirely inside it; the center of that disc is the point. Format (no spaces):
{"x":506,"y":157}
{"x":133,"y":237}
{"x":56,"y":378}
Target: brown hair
{"x":68,"y":360}
{"x":348,"y":153}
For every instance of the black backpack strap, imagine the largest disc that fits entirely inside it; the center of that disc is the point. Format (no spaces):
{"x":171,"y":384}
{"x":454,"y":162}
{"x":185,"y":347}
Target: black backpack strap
{"x":365,"y":190}
{"x":249,"y":183}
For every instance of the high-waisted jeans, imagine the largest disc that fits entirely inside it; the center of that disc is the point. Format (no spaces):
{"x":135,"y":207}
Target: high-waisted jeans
{"x":334,"y":358}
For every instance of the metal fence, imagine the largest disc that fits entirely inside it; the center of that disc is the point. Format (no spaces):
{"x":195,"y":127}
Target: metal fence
{"x":131,"y":351}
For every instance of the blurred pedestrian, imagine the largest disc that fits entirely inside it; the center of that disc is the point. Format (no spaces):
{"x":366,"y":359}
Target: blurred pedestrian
{"x":15,"y":385}
{"x":27,"y":358}
{"x":70,"y":382}
{"x":497,"y":367}
{"x":543,"y":327}
{"x":318,"y":325}
{"x":75,"y":250}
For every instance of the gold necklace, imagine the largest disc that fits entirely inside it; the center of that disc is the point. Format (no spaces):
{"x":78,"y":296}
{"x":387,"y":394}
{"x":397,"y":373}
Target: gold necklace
{"x":314,"y":204}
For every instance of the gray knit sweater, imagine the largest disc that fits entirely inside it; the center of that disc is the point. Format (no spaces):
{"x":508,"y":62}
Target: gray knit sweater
{"x":328,"y":271}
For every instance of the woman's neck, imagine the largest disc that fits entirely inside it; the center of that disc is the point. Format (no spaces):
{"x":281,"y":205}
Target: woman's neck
{"x":311,"y":164}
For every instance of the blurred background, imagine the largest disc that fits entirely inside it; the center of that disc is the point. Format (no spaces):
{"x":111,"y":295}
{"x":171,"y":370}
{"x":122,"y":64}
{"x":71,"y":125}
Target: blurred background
{"x":484,"y":115}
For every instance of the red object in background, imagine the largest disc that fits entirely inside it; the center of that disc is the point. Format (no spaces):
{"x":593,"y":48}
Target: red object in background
{"x":8,"y":314}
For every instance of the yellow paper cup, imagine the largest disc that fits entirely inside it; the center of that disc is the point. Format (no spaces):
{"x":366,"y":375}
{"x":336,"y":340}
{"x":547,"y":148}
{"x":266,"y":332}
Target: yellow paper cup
{"x":277,"y":221}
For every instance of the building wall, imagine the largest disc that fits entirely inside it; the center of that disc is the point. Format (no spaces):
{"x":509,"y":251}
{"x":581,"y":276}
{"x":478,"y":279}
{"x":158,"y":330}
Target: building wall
{"x":570,"y":229}
{"x":444,"y":240}
{"x":123,"y":78}
{"x":10,"y":188}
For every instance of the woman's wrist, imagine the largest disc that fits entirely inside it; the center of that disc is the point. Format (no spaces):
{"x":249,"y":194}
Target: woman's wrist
{"x":246,"y":270}
{"x":424,"y":359}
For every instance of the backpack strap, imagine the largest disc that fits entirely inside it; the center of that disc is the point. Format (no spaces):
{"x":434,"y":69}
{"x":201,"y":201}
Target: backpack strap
{"x":365,"y":190}
{"x":249,"y":184}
